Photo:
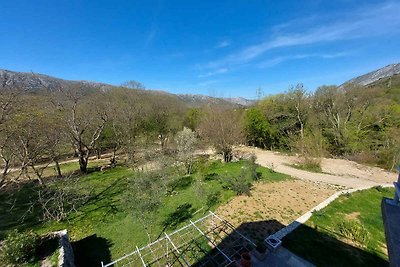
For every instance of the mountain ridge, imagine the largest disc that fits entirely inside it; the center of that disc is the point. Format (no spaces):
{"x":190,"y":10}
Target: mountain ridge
{"x":373,"y":76}
{"x":36,"y":82}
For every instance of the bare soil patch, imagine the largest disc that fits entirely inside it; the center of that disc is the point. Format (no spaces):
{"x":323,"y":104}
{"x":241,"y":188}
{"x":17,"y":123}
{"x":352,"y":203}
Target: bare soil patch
{"x":273,"y":205}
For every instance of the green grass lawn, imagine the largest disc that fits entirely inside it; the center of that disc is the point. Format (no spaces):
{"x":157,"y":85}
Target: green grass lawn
{"x":348,"y":232}
{"x":103,"y":229}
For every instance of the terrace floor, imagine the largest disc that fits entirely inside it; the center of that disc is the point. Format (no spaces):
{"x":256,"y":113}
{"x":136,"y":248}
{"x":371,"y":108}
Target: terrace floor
{"x":281,"y":257}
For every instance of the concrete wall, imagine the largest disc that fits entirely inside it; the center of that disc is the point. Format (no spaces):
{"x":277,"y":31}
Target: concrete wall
{"x":66,"y":257}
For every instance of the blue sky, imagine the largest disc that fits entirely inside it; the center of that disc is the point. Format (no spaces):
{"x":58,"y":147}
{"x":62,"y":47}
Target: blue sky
{"x":220,"y":48}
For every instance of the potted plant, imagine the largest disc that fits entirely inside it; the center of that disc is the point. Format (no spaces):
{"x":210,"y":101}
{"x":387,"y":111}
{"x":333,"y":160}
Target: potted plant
{"x":245,"y":260}
{"x":261,"y":251}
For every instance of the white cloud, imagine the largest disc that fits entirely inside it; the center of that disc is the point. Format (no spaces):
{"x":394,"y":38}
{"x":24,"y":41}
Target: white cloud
{"x":223,"y":44}
{"x":367,"y":22}
{"x":206,"y":83}
{"x":215,"y":72}
{"x":278,"y":60}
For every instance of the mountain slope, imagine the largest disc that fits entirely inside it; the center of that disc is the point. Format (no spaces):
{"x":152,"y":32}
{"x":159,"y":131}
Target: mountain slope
{"x":374,"y":76}
{"x":35,"y":82}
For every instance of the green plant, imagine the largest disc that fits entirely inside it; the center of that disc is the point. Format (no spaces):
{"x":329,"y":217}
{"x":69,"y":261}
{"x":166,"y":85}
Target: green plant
{"x":354,"y":231}
{"x":318,"y":213}
{"x":213,"y":198}
{"x":252,"y":168}
{"x":309,"y":164}
{"x":19,"y":247}
{"x":240,"y":183}
{"x":382,"y":189}
{"x":318,"y":239}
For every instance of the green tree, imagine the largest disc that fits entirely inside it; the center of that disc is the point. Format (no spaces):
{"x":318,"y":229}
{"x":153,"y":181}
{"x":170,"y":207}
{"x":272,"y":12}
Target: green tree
{"x":186,"y":142}
{"x":257,"y":127}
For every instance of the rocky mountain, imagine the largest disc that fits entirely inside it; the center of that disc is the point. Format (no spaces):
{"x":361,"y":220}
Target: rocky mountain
{"x":34,"y":82}
{"x":374,"y":76}
{"x":196,"y":100}
{"x":240,"y":101}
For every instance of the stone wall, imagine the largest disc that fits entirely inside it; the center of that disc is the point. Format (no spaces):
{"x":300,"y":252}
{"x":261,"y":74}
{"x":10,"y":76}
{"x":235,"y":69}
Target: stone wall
{"x":66,"y":256}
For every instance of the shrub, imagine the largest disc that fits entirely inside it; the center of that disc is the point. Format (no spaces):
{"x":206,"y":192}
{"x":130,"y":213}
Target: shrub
{"x":19,"y":247}
{"x":241,"y":183}
{"x":354,"y":231}
{"x":382,"y":189}
{"x":210,"y":176}
{"x":252,"y":167}
{"x":310,"y":164}
{"x":213,"y":198}
{"x":319,"y":213}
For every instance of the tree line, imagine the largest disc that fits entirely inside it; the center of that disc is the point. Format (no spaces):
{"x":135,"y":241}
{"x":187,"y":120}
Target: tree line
{"x":356,"y":122}
{"x":39,"y":128}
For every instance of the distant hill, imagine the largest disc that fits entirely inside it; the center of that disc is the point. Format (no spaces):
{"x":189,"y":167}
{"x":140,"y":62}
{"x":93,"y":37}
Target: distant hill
{"x":195,"y":100}
{"x":373,"y":76}
{"x":35,"y":82}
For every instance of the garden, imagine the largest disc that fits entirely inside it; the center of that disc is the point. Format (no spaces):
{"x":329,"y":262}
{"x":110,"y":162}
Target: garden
{"x":106,"y":220}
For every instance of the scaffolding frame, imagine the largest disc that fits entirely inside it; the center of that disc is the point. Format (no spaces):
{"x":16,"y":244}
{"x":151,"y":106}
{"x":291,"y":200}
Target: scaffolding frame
{"x":208,"y":241}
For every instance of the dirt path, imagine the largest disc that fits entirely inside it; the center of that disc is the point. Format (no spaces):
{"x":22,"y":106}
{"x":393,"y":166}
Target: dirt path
{"x":336,"y":171}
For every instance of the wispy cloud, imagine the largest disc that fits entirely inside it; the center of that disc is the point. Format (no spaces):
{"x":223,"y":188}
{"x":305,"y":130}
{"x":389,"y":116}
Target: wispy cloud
{"x":154,"y":26}
{"x":377,"y":20}
{"x":223,"y":44}
{"x":215,"y":72}
{"x":277,"y":60}
{"x":206,"y":83}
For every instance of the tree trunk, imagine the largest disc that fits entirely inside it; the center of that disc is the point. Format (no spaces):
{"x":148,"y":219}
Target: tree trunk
{"x":82,"y":163}
{"x":227,"y":154}
{"x":58,"y":169}
{"x":5,"y":171}
{"x":113,"y":160}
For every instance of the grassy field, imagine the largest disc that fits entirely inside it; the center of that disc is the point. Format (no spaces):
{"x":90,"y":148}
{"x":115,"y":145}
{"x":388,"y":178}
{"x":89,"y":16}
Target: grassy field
{"x":103,"y":229}
{"x":348,"y":232}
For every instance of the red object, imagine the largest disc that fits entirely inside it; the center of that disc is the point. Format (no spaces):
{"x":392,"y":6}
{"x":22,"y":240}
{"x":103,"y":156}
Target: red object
{"x":245,"y":260}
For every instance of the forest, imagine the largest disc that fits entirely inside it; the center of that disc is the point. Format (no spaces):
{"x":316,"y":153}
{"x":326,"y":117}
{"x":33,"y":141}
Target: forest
{"x":137,"y":146}
{"x":44,"y":127}
{"x":354,"y":122}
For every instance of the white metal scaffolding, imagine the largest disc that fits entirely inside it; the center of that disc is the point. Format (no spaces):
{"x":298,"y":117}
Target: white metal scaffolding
{"x":208,"y":241}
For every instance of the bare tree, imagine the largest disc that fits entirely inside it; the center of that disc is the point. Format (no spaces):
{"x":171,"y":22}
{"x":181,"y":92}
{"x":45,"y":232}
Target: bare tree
{"x":222,"y":128}
{"x":127,"y":113}
{"x":7,"y":155}
{"x":60,"y":199}
{"x":132,"y":84}
{"x":35,"y":137}
{"x":337,"y":109}
{"x":85,"y":116}
{"x":299,"y":101}
{"x":165,"y":118}
{"x":10,"y":103}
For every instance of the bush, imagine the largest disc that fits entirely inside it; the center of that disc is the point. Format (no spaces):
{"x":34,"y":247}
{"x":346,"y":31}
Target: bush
{"x":210,"y":176}
{"x":19,"y":247}
{"x":354,"y":231}
{"x":382,"y":189}
{"x":213,"y":198}
{"x":241,"y":183}
{"x":252,"y":166}
{"x":310,"y":164}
